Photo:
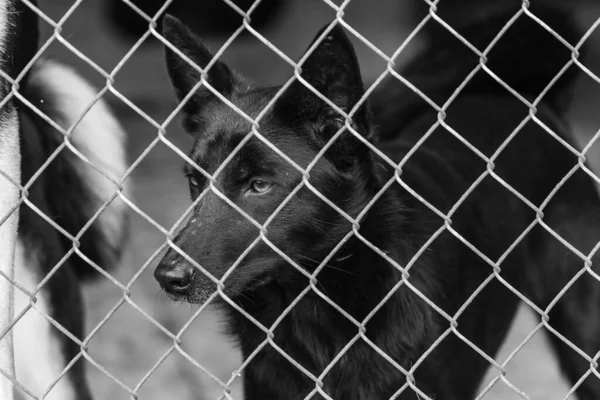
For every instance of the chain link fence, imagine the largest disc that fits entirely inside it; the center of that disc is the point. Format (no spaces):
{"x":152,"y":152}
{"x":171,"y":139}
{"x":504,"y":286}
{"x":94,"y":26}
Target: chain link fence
{"x":162,"y":137}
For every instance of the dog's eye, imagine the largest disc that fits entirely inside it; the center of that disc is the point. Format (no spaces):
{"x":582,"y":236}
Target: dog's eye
{"x":193,"y":181}
{"x":260,"y":187}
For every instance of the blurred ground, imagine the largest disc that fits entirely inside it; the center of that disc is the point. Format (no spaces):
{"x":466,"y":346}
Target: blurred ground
{"x":128,"y":345}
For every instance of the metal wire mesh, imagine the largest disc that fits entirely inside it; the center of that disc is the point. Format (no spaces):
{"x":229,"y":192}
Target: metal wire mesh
{"x":161,"y":137}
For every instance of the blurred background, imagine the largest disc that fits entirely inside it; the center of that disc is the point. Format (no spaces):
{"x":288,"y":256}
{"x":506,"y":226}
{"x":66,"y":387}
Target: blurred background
{"x":108,"y":33}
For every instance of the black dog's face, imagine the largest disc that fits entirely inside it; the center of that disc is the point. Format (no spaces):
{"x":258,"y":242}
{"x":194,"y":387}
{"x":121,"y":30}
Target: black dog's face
{"x":251,"y":179}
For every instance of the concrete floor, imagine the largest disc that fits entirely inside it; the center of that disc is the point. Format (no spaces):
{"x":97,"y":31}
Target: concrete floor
{"x":128,"y":346}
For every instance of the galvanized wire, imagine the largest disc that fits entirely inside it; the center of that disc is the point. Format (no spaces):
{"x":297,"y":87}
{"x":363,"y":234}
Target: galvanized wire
{"x":453,"y":327}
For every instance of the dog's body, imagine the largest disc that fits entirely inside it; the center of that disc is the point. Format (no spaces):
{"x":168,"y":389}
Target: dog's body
{"x":444,"y":254}
{"x":68,"y":192}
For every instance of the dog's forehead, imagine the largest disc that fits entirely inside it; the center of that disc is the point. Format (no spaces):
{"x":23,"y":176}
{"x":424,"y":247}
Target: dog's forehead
{"x":238,"y":113}
{"x":224,"y":120}
{"x":226,"y":126}
{"x":210,"y":152}
{"x":211,"y":149}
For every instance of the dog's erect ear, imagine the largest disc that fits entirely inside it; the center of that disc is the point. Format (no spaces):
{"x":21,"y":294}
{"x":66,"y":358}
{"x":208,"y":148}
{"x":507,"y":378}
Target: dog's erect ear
{"x":184,"y":76}
{"x":332,"y":69}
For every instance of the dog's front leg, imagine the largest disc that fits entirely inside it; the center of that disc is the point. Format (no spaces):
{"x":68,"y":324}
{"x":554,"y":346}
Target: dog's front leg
{"x":10,"y":170}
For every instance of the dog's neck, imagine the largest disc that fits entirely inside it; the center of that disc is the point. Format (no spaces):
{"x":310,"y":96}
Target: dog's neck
{"x":349,"y":286}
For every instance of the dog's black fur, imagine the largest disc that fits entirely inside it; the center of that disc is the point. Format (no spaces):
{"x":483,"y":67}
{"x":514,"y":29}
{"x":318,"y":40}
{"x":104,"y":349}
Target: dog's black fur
{"x":357,"y":278}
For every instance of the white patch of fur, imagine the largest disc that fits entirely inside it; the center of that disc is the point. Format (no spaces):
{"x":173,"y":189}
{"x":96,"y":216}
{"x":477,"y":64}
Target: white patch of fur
{"x":98,"y":136}
{"x":10,"y":164}
{"x":5,"y":6}
{"x":38,"y":357}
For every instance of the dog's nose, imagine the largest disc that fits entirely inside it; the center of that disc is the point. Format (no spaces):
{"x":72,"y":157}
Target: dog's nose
{"x":175,"y":280}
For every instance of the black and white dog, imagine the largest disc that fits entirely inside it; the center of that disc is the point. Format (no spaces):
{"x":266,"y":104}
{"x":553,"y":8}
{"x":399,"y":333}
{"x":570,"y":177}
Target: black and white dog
{"x":68,"y":192}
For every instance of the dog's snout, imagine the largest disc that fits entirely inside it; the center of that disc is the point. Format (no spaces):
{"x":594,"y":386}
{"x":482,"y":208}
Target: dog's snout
{"x":175,"y":279}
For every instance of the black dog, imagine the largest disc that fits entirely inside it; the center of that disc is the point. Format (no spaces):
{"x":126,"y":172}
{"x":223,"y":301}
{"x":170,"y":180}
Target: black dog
{"x":426,"y":281}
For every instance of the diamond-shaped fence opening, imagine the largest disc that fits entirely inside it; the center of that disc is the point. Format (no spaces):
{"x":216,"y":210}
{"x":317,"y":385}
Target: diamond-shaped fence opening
{"x":46,"y":327}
